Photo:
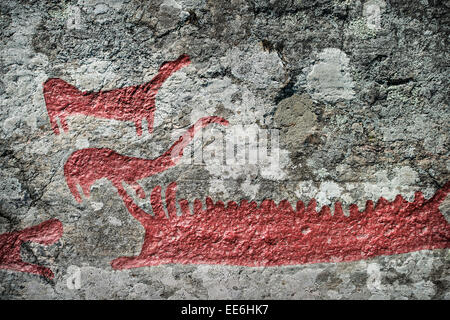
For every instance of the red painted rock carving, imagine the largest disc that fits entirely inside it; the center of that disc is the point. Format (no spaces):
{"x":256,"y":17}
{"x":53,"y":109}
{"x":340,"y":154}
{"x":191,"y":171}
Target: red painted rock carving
{"x":126,"y":104}
{"x":46,"y":233}
{"x":269,"y":235}
{"x":85,"y":166}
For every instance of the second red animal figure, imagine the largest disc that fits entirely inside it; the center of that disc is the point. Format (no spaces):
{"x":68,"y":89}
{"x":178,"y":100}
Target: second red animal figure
{"x":46,"y":233}
{"x":86,"y":166}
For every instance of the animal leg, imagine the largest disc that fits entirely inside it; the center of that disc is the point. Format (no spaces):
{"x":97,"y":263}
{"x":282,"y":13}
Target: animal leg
{"x":138,"y":123}
{"x":54,"y":124}
{"x":63,"y":121}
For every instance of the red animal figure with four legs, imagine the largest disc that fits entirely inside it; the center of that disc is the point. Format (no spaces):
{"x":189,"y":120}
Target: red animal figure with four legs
{"x":126,"y":104}
{"x":86,"y":166}
{"x":46,"y":233}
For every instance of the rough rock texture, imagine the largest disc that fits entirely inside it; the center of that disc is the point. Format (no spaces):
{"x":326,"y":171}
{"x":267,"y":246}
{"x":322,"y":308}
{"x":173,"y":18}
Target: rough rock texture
{"x":358,"y":91}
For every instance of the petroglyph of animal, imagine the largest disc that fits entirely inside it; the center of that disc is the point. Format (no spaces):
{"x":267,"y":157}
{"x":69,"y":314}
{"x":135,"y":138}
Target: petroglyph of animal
{"x":86,"y":166}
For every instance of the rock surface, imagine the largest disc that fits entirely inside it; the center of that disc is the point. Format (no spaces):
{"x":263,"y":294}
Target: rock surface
{"x":357,"y":90}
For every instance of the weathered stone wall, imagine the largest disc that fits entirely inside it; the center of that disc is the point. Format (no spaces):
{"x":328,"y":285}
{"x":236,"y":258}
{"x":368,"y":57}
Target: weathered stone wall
{"x":356,"y":90}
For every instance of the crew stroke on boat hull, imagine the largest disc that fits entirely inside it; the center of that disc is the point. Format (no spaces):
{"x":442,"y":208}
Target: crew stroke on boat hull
{"x":133,"y":103}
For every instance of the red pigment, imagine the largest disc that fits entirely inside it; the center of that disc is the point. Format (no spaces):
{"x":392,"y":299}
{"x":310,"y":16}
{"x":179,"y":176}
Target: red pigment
{"x":132,"y":103}
{"x":269,"y":235}
{"x":46,"y":233}
{"x":86,"y":166}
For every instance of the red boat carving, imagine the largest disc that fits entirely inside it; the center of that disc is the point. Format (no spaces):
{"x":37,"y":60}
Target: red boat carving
{"x":46,"y":233}
{"x":132,"y":103}
{"x":269,"y":235}
{"x":251,"y":235}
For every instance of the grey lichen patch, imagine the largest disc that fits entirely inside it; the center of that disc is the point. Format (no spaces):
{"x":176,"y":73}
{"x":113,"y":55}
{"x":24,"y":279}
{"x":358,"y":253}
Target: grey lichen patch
{"x":257,"y":67}
{"x":10,"y":189}
{"x":361,"y":29}
{"x":404,"y":94}
{"x":60,"y":11}
{"x":296,"y":118}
